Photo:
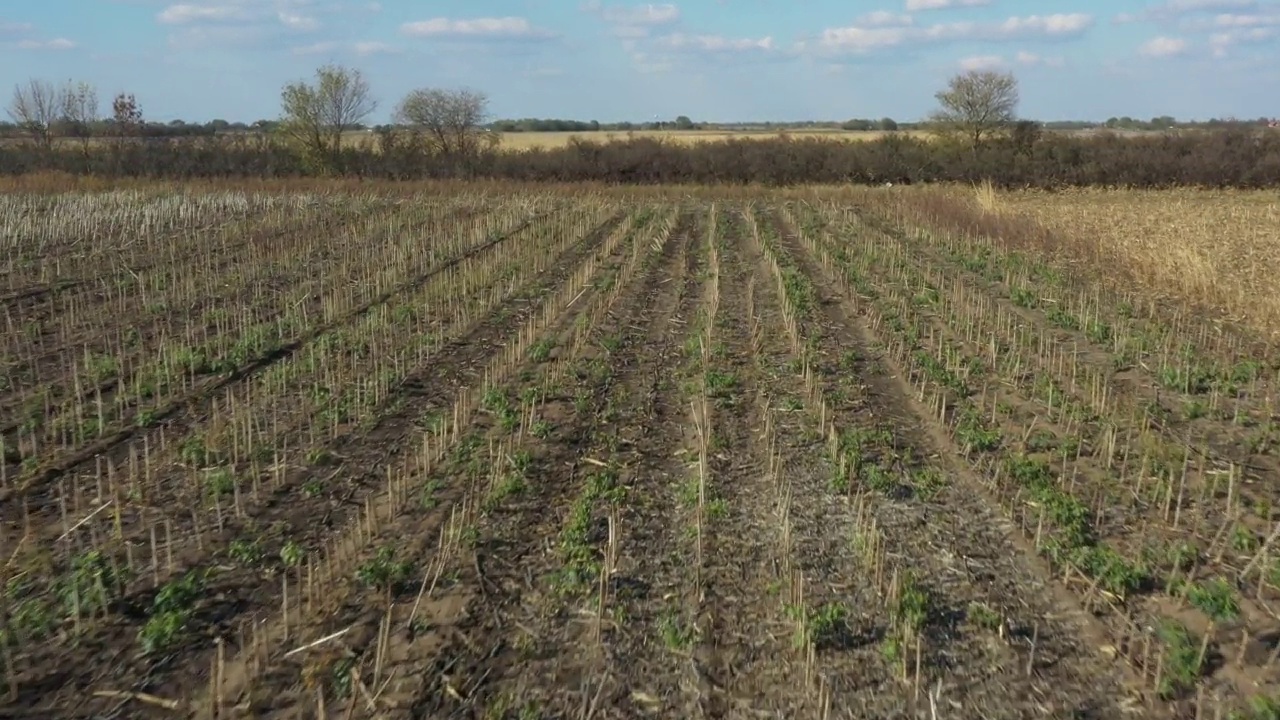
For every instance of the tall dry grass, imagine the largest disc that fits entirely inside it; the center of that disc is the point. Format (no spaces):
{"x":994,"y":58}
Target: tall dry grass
{"x":1217,"y":252}
{"x":987,"y":197}
{"x":1214,"y":248}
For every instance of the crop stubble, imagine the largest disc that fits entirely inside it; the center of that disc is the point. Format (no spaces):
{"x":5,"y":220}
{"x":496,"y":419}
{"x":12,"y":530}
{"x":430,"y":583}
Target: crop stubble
{"x":565,"y":456}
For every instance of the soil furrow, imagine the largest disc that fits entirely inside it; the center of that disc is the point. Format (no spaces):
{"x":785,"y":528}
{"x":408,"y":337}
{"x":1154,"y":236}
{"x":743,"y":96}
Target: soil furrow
{"x":836,"y":556}
{"x":1128,"y":550}
{"x":972,"y":560}
{"x":650,"y":671}
{"x":254,"y":246}
{"x":306,"y":520}
{"x":1139,"y":381}
{"x":538,"y":646}
{"x":186,"y":410}
{"x":747,"y":655}
{"x":150,"y":334}
{"x":714,"y":454}
{"x":450,"y":496}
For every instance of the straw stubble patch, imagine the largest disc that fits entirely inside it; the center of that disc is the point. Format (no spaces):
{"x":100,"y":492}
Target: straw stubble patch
{"x":526,"y":454}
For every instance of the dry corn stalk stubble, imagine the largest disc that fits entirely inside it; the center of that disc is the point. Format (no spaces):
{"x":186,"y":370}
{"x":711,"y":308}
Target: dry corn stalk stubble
{"x":228,"y":409}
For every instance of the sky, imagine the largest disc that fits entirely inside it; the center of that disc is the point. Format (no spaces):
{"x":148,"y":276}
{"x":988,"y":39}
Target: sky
{"x":712,"y":60}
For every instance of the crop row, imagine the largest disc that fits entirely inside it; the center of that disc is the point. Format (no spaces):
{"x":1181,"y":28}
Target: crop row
{"x":481,"y":462}
{"x":104,"y":393}
{"x":589,"y":457}
{"x":216,"y":485}
{"x":1056,"y":453}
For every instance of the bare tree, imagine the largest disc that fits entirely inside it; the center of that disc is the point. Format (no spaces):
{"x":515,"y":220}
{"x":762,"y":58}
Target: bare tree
{"x":126,"y":115}
{"x":35,"y":109}
{"x":79,"y":109}
{"x":314,"y":116}
{"x":978,"y":103}
{"x":450,"y":120}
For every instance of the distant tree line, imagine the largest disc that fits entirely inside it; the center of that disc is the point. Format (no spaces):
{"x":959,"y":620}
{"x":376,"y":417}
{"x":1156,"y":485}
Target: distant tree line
{"x":858,"y":124}
{"x":42,"y":111}
{"x":439,"y":133}
{"x":1236,"y":158}
{"x":557,"y":125}
{"x":105,"y":127}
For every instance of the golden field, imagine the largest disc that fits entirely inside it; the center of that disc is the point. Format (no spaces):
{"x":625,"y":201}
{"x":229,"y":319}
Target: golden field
{"x":522,"y":140}
{"x":1214,"y":248}
{"x":551,"y":140}
{"x":270,"y":443}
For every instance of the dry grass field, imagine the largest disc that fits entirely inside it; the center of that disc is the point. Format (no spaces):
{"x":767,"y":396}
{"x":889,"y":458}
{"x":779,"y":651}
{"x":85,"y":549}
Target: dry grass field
{"x":526,"y":140}
{"x":551,"y":140}
{"x":1221,"y":249}
{"x":523,"y":452}
{"x":517,"y":141}
{"x":522,"y":140}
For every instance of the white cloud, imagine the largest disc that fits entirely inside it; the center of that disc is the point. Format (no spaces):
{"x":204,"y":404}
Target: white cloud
{"x":982,"y":62}
{"x":918,"y":5}
{"x":1190,"y":6}
{"x":633,"y":21}
{"x":629,"y":32}
{"x":994,"y":62}
{"x":1031,"y":59}
{"x":863,"y":39}
{"x":715,"y":43}
{"x":1269,"y":18}
{"x":884,"y":18}
{"x":1163,"y":47}
{"x":247,"y":35}
{"x":372,"y":47}
{"x":1059,"y":24}
{"x":1221,"y":43}
{"x":478,"y":28}
{"x":641,"y":15}
{"x":650,"y":65}
{"x":667,"y":52}
{"x":237,"y":20}
{"x":1238,"y":20}
{"x":1222,"y":25}
{"x":1245,"y":35}
{"x":363,"y":49}
{"x":1171,"y":10}
{"x":294,"y":21}
{"x":186,"y":14}
{"x":54,"y":44}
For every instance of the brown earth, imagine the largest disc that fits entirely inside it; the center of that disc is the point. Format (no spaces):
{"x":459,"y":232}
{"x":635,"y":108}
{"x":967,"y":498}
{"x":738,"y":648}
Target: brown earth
{"x":622,"y":457}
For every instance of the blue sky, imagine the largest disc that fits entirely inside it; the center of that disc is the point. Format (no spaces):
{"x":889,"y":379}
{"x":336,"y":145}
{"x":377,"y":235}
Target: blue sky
{"x":712,"y":60}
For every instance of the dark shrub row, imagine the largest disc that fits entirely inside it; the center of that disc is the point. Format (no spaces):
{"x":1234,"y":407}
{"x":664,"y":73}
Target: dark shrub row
{"x":1228,"y":158}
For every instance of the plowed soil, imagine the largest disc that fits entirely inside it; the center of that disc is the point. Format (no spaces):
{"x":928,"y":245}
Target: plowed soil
{"x":586,"y":457}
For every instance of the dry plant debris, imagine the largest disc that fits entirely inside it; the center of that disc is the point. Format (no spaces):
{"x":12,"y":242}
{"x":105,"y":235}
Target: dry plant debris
{"x":513,"y":453}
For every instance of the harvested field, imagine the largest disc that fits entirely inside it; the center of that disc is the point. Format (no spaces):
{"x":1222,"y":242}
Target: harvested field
{"x":525,"y":140}
{"x":509,"y":453}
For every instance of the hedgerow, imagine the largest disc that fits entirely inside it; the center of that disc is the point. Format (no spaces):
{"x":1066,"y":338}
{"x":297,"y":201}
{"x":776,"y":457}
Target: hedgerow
{"x":1232,"y":158}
